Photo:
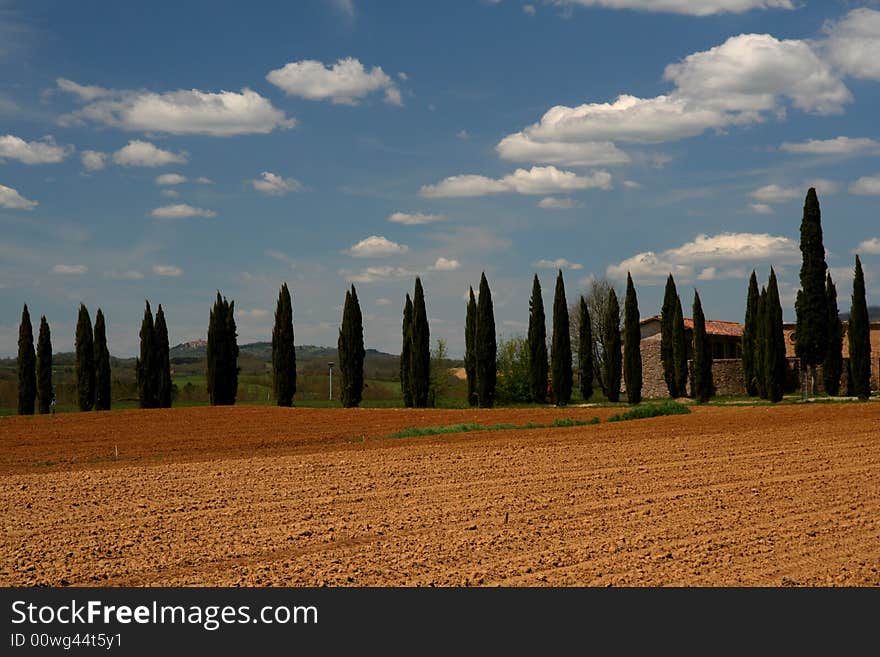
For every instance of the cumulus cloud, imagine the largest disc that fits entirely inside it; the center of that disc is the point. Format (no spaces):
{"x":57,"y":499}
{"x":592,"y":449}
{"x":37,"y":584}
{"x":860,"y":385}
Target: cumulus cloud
{"x":632,"y":184}
{"x":537,"y":180}
{"x":32,"y":152}
{"x":182,"y":112}
{"x":775,"y":194}
{"x":346,"y":82}
{"x":866,"y":185}
{"x":414,"y":218}
{"x":167,"y":270}
{"x":853,"y":43}
{"x":203,"y":180}
{"x":376,"y":274}
{"x":520,"y":147}
{"x":69,"y":270}
{"x":869,"y":247}
{"x":169,"y":193}
{"x":139,"y":153}
{"x":840,"y":146}
{"x":181,"y":211}
{"x":760,"y":208}
{"x":10,"y":198}
{"x":171,"y":179}
{"x":559,"y":263}
{"x":445,"y":264}
{"x":128,"y":275}
{"x":93,"y":160}
{"x":687,"y":7}
{"x":556,"y":203}
{"x":274,"y":185}
{"x":376,"y":245}
{"x":714,"y":274}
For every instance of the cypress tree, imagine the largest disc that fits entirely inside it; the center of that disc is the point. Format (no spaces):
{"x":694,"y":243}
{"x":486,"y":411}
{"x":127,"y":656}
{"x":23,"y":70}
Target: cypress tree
{"x":761,"y":337}
{"x":538,"y":366}
{"x":85,"y":361}
{"x":701,"y":384}
{"x":859,"y":337}
{"x":44,"y":367}
{"x":283,"y":350}
{"x":833,"y":365}
{"x":421,"y":349}
{"x":774,"y":356}
{"x":585,"y":350}
{"x":667,"y":351}
{"x":145,"y":364}
{"x":27,"y":365}
{"x":749,"y":336}
{"x":611,"y":346}
{"x":162,"y":361}
{"x":679,"y":349}
{"x":485,"y":346}
{"x":406,"y":354}
{"x":222,"y":354}
{"x":351,"y":351}
{"x":560,"y":348}
{"x":102,"y":364}
{"x":632,"y":352}
{"x":470,"y":353}
{"x":812,"y":307}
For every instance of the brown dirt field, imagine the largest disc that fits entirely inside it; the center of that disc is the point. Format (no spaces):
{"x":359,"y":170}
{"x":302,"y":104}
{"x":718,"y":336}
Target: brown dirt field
{"x":265,"y":496}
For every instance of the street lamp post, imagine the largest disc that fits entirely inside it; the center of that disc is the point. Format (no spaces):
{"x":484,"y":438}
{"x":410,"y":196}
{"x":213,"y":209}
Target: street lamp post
{"x":331,"y":379}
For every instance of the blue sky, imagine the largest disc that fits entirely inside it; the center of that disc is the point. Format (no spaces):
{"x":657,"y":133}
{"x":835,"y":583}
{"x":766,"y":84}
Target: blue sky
{"x":163,"y":151}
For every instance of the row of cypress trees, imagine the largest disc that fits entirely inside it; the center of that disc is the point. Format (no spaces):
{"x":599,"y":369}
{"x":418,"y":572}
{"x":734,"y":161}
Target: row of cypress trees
{"x":480,"y":347}
{"x":153,"y":365}
{"x":415,"y":351}
{"x":34,"y":366}
{"x":350,"y":348}
{"x":763,"y":341}
{"x":92,"y":362}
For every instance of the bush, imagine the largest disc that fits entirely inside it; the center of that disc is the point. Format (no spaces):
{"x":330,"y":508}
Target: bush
{"x":513,"y":383}
{"x":651,"y":410}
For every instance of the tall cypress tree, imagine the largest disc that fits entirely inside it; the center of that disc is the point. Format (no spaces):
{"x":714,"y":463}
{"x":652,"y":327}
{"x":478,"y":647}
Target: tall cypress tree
{"x":27,"y":365}
{"x":162,"y":361}
{"x":774,"y":356}
{"x":145,"y":364}
{"x":761,"y":337}
{"x":351,"y":351}
{"x":679,"y":349}
{"x":85,"y":361}
{"x":222,"y":354}
{"x":859,"y":332}
{"x":538,"y":365}
{"x":470,"y":348}
{"x":701,"y":384}
{"x":585,"y":350}
{"x":406,"y":354}
{"x":749,"y":336}
{"x":667,"y":352}
{"x":632,"y":352}
{"x":486,"y":346}
{"x":421,"y":349}
{"x":283,"y":350}
{"x":833,"y":365}
{"x":102,"y":364}
{"x":611,"y":362}
{"x":44,"y":367}
{"x":560,"y":348}
{"x":811,"y":306}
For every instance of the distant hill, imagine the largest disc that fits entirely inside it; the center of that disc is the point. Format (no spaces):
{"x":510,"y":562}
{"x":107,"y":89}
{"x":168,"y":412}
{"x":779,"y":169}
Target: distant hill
{"x":263,"y":351}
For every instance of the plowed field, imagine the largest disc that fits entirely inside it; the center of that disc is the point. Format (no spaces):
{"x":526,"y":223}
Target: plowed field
{"x":266,"y":496}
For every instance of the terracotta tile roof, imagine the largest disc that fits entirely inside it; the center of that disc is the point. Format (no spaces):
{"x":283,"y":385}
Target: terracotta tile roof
{"x":713,"y":326}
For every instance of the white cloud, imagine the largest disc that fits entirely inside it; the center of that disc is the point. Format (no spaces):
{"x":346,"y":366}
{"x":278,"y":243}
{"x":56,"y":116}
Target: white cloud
{"x":255,"y":313}
{"x":537,"y":180}
{"x":383,"y":302}
{"x":281,"y":257}
{"x":274,"y":185}
{"x":169,"y":193}
{"x":346,"y":82}
{"x":688,"y":7}
{"x":836,"y":146}
{"x":10,"y":198}
{"x":853,"y":43}
{"x":529,"y":9}
{"x":182,"y":112}
{"x":93,"y":160}
{"x":376,"y":274}
{"x":556,"y":203}
{"x":376,"y":245}
{"x":870,"y":247}
{"x":519,"y":147}
{"x":32,"y":152}
{"x":414,"y":218}
{"x":69,"y":270}
{"x":714,"y":274}
{"x":171,"y":179}
{"x":139,"y":153}
{"x":129,"y":275}
{"x":203,"y":180}
{"x":632,"y":184}
{"x":822,"y":185}
{"x":775,"y":194}
{"x":167,"y":270}
{"x":345,"y":7}
{"x":866,"y":185}
{"x":760,"y":208}
{"x":181,"y":211}
{"x":445,"y":264}
{"x":559,"y":263}
{"x":463,"y":134}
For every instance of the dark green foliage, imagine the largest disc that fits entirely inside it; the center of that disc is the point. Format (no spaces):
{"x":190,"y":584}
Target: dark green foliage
{"x":667,"y":352}
{"x":761,"y":336}
{"x":859,"y":337}
{"x":162,"y":360}
{"x":749,"y":336}
{"x":27,"y":365}
{"x":514,"y":380}
{"x":406,"y":354}
{"x":632,"y":352}
{"x":470,"y":354}
{"x":832,"y":367}
{"x":701,"y":384}
{"x":147,"y":382}
{"x":560,"y":348}
{"x":85,"y":361}
{"x":774,"y":354}
{"x":611,"y":346}
{"x":585,"y":350}
{"x":222,"y":353}
{"x":811,"y":306}
{"x":538,"y":365}
{"x":679,"y":350}
{"x":421,"y":349}
{"x":651,"y":410}
{"x":283,"y":350}
{"x":351,"y":351}
{"x":44,"y":367}
{"x":102,"y":364}
{"x":485,"y":346}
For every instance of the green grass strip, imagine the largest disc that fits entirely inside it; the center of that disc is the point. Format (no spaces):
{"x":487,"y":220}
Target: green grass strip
{"x":651,"y":410}
{"x":412,"y":432}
